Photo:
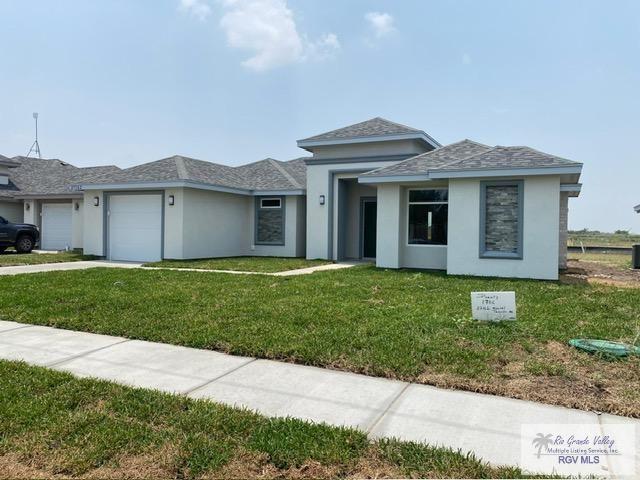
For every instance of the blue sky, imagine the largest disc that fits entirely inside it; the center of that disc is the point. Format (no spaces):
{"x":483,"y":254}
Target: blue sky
{"x":233,"y":81}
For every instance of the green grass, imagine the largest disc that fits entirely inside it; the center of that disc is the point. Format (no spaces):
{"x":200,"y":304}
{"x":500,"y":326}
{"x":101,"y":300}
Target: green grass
{"x":11,"y":258}
{"x":603,"y":239}
{"x":409,"y":325}
{"x":617,"y":260}
{"x":242,"y":264}
{"x":52,"y":423}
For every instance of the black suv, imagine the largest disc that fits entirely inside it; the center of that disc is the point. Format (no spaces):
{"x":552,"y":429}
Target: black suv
{"x":22,"y":236}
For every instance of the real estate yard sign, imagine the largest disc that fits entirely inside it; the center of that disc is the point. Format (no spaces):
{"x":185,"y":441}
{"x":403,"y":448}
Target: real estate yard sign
{"x":493,"y":306}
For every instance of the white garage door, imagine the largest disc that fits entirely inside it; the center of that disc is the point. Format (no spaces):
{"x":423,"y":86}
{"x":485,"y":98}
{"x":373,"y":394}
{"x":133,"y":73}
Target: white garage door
{"x":135,"y":228}
{"x":56,"y":226}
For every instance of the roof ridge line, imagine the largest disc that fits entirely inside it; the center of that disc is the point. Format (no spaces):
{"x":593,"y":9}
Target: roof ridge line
{"x":181,"y":167}
{"x":286,"y":174}
{"x":470,"y":156}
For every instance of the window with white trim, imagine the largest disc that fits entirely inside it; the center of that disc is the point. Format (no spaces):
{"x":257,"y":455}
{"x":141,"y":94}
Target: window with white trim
{"x":501,"y":222}
{"x":269,"y":221}
{"x":428,"y":216}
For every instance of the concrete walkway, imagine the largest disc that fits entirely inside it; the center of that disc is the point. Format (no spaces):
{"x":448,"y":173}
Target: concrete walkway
{"x":61,"y":266}
{"x":54,"y":267}
{"x":487,"y":425}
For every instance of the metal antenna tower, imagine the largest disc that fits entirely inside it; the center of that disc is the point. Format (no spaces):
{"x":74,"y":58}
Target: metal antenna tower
{"x":35,"y":147}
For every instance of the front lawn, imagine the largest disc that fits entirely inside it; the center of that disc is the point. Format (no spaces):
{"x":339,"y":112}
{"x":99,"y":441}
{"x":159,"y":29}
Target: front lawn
{"x":242,"y":264}
{"x":409,"y":325}
{"x":55,"y":425}
{"x":11,"y":258}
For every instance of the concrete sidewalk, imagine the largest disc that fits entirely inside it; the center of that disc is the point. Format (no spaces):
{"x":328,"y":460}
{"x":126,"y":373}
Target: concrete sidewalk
{"x":61,"y":266}
{"x":486,"y":425}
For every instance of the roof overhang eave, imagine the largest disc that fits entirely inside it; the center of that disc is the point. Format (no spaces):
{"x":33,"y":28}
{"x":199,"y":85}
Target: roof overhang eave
{"x":124,"y":186}
{"x":477,"y":173}
{"x":50,"y":196}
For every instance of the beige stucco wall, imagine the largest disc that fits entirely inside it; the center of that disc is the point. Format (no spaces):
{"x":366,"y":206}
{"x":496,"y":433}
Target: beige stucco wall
{"x":213,"y":224}
{"x":318,"y":178}
{"x":203,"y":224}
{"x":540,"y":231}
{"x":396,"y":147}
{"x":92,"y":223}
{"x":77,"y":224}
{"x":12,"y":211}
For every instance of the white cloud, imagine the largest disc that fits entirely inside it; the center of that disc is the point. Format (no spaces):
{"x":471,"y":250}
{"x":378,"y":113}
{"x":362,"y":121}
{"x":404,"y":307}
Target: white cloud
{"x":198,"y":8}
{"x":268,"y":29}
{"x":323,"y":48}
{"x":381,"y":23}
{"x":466,"y":59}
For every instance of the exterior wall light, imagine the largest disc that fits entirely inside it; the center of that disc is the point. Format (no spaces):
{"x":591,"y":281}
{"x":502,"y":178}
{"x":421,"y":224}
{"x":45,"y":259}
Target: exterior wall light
{"x":322,"y":199}
{"x":76,"y":206}
{"x":27,"y":206}
{"x":172,"y":200}
{"x":96,"y":201}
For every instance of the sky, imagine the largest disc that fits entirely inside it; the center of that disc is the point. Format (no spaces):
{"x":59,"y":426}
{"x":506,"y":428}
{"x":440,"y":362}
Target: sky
{"x":126,"y":82}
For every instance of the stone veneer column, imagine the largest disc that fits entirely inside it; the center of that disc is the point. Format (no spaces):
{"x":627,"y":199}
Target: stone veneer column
{"x":564,"y":221}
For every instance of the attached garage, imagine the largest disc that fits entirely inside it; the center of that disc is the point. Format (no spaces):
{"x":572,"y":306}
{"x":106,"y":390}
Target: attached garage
{"x":134,"y":227}
{"x":56,"y":226}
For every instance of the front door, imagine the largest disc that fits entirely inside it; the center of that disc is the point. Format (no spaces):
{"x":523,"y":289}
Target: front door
{"x":369,"y":220}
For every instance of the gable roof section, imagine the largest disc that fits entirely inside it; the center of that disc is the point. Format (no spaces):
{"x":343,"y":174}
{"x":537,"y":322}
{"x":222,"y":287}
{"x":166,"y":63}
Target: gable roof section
{"x":375,"y":129}
{"x":266,"y":175}
{"x":472,"y":159}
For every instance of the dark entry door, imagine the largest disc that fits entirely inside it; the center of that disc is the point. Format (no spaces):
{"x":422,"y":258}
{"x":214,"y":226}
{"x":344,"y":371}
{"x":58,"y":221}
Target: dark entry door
{"x":369,"y":213}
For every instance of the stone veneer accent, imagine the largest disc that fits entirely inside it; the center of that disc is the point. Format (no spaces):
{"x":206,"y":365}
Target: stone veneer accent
{"x":270,"y":226}
{"x":564,"y":221}
{"x":501,"y":222}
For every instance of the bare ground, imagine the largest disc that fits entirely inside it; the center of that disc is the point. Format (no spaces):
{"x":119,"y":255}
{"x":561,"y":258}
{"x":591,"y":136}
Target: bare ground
{"x":582,"y":271}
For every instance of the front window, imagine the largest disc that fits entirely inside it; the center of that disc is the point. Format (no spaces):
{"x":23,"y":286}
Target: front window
{"x":428,"y":216}
{"x":269,"y":221}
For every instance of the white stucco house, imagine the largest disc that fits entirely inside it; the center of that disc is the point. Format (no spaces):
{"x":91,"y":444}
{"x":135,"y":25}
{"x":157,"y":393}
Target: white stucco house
{"x":374,"y":190}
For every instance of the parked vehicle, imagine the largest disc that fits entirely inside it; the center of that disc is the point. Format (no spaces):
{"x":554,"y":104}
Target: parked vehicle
{"x":22,"y":236}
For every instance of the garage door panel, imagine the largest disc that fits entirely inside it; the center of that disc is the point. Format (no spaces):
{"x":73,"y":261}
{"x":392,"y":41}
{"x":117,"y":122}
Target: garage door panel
{"x":135,"y":227}
{"x":56,"y":228}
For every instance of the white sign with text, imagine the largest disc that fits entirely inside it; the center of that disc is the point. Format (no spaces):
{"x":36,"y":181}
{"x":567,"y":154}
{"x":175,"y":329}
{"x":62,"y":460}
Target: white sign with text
{"x":493,"y":306}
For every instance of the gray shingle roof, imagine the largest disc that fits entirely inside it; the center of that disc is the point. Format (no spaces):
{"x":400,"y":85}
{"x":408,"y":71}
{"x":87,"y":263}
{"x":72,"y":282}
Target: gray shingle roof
{"x":432,"y":160}
{"x":469,"y":155}
{"x":35,"y":176}
{"x":375,"y":127}
{"x":267,"y":174}
{"x":7,"y":162}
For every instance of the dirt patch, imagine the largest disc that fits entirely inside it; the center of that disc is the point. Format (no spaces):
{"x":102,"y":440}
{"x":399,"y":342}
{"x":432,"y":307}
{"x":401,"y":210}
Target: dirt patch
{"x":582,"y":271}
{"x":559,"y":375}
{"x":11,"y":466}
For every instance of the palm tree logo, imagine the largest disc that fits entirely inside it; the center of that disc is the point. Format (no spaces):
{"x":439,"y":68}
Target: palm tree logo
{"x":542,"y":441}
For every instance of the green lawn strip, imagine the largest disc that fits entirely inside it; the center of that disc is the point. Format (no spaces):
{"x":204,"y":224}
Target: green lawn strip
{"x":54,"y":423}
{"x":397,"y":324}
{"x":603,"y":239}
{"x":10,"y":258}
{"x":617,"y":260}
{"x":242,"y":264}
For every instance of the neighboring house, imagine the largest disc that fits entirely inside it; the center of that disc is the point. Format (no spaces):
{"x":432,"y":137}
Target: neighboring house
{"x":374,"y":190}
{"x":45,"y":193}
